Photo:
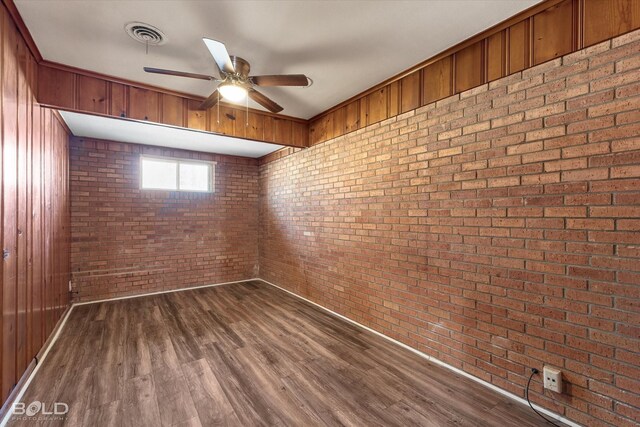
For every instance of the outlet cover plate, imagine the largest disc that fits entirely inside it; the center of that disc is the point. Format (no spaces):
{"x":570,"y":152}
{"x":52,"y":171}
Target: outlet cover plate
{"x":552,"y":379}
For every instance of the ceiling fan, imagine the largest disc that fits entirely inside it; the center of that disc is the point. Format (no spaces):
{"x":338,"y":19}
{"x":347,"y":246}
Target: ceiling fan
{"x":235,"y":81}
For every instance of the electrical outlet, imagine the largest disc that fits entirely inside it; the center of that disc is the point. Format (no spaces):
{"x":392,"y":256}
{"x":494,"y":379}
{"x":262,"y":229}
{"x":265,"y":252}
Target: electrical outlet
{"x":552,"y":379}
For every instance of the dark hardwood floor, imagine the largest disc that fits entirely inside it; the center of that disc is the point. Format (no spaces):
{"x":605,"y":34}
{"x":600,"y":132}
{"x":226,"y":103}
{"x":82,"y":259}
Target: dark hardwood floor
{"x":248,"y":354}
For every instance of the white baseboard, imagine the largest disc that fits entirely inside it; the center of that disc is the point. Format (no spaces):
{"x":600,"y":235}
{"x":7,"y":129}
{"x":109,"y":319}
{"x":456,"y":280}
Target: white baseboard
{"x":161,"y":292}
{"x":25,"y":386}
{"x":553,"y":415}
{"x":432,"y":359}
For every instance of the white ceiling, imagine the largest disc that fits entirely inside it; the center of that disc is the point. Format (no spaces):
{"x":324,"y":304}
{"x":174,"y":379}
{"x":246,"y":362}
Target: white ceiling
{"x":344,"y":46}
{"x":126,"y":130}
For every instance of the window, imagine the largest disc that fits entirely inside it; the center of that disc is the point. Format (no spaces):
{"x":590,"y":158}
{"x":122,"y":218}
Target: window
{"x":159,"y":173}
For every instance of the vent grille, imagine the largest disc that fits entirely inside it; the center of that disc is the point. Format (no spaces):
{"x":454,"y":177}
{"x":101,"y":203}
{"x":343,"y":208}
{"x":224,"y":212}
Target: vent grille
{"x":145,"y":33}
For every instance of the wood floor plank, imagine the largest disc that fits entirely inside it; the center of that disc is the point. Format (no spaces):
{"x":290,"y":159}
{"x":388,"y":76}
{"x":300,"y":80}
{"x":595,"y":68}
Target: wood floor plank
{"x":140,"y":407}
{"x":175,"y":403}
{"x":248,"y":354}
{"x":207,"y":395}
{"x":106,"y":415}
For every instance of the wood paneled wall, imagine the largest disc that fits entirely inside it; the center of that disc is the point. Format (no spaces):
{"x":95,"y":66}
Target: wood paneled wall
{"x":34,"y":272}
{"x":544,"y":32}
{"x":78,"y":90}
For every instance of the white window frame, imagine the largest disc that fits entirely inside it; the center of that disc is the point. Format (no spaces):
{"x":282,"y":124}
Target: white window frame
{"x":178,"y":161}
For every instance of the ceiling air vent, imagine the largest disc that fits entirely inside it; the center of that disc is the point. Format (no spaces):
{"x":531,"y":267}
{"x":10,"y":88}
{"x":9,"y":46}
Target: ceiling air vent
{"x":145,"y":33}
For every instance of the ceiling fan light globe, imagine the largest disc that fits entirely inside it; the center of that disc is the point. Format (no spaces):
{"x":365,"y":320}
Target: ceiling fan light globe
{"x":233,"y":92}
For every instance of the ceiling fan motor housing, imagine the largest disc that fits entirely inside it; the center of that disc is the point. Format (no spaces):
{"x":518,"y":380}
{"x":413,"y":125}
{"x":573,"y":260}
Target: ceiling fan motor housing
{"x":241,"y":66}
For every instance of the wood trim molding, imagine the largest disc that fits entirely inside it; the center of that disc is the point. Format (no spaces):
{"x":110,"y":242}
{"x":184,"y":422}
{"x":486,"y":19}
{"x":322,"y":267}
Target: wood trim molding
{"x":27,"y":376}
{"x":60,"y":120}
{"x":4,"y":411}
{"x":58,"y":116}
{"x":22,"y":28}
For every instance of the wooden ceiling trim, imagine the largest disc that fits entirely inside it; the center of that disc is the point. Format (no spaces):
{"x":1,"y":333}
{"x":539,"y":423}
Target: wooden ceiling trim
{"x":22,"y":29}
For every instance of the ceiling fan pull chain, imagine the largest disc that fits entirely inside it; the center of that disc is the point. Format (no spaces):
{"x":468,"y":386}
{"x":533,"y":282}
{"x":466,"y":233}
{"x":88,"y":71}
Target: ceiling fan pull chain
{"x":218,"y":106}
{"x":246,"y":112}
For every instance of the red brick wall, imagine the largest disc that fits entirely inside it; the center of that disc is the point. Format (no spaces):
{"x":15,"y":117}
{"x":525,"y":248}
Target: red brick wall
{"x":130,"y":241}
{"x":495,"y":230}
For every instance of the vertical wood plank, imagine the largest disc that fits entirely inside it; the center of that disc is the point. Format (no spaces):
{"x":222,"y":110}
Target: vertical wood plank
{"x":92,"y":94}
{"x":196,"y":119}
{"x":578,"y":27}
{"x":55,"y":209}
{"x":410,"y":92}
{"x":3,"y":32}
{"x":314,"y":132}
{"x":282,"y":130}
{"x":604,"y":19}
{"x":394,"y":98}
{"x":9,"y":217}
{"x":43,"y":214}
{"x":37,"y":255}
{"x":363,"y":110}
{"x":23,"y":195}
{"x":268,"y":129}
{"x":518,"y":46}
{"x":352,"y":116}
{"x":469,"y":67}
{"x":31,"y":348}
{"x":65,"y":262}
{"x":324,"y":128}
{"x":496,"y":56}
{"x":48,"y":324}
{"x":377,"y":106}
{"x":437,"y":80}
{"x":553,"y":32}
{"x":328,"y":127}
{"x":172,"y":110}
{"x":338,"y":122}
{"x":300,"y":134}
{"x":229,"y":121}
{"x":56,"y":87}
{"x":143,"y":104}
{"x":255,"y":129}
{"x":117,"y":100}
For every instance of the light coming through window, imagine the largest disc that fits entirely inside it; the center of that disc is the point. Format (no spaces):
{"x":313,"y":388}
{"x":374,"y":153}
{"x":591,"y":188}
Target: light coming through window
{"x":158,"y":173}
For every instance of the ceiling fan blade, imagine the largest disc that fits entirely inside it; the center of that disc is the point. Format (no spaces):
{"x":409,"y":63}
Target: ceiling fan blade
{"x":220,"y":55}
{"x":264,"y":101}
{"x":281,"y":80}
{"x":210,"y":101}
{"x":178,"y":73}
